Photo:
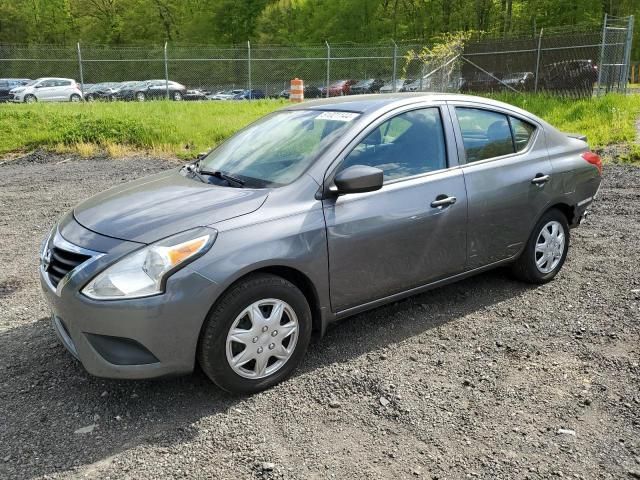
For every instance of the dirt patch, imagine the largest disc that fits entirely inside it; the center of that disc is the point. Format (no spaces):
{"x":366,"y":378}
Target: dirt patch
{"x":486,"y":378}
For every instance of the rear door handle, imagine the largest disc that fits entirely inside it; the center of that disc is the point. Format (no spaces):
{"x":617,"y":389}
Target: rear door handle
{"x":540,"y":179}
{"x":443,"y":201}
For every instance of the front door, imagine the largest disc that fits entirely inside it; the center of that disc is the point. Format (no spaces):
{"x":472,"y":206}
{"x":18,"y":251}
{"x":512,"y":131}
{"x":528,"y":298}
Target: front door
{"x":413,"y":230}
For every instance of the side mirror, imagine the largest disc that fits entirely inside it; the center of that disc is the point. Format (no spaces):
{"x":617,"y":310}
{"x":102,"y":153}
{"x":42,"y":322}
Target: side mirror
{"x":359,"y":179}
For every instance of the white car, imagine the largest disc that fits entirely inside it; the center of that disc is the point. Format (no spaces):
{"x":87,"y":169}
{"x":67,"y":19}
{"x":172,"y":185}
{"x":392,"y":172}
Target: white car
{"x":47,"y":90}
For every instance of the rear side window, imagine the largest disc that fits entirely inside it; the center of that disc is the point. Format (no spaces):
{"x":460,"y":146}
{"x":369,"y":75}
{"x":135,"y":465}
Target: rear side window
{"x":487,"y":134}
{"x":522,"y":133}
{"x":63,"y":83}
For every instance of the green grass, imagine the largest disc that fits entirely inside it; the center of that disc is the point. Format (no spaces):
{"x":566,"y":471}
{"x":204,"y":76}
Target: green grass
{"x":185,"y":129}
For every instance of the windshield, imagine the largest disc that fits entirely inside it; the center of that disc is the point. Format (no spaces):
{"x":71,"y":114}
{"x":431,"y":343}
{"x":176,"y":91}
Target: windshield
{"x":279,"y":148}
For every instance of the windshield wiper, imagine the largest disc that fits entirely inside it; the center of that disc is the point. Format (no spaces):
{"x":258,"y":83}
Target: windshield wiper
{"x":224,"y":176}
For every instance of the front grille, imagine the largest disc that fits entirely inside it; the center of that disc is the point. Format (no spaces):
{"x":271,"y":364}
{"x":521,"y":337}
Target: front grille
{"x":62,"y":262}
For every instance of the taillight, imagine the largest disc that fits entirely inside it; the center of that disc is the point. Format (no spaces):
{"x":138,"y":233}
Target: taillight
{"x":593,"y":159}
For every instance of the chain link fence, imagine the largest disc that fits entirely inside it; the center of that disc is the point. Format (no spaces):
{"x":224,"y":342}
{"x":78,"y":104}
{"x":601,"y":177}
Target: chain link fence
{"x":560,"y":61}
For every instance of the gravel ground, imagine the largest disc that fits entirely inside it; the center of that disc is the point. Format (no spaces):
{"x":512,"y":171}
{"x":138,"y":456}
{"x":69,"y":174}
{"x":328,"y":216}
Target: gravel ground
{"x":487,"y":378}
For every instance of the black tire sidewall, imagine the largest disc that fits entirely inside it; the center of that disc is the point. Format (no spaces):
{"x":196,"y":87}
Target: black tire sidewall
{"x":212,"y":345}
{"x":529,"y":253}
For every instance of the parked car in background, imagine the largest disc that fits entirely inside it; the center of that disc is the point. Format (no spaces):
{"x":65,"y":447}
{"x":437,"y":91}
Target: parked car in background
{"x":338,"y":88}
{"x":481,"y":82}
{"x":309,"y":92}
{"x":195,"y":94}
{"x":7,"y":84}
{"x":250,"y":95}
{"x":308,"y":216}
{"x":521,"y":81}
{"x":575,"y":77}
{"x":226,"y":94}
{"x":100,"y":91}
{"x":152,"y":90}
{"x":420,"y":85}
{"x":388,"y":87}
{"x":370,"y":85}
{"x":47,"y":89}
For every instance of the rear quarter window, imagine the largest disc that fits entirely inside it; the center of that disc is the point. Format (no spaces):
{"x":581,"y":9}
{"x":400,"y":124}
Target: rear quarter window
{"x":522,"y":133}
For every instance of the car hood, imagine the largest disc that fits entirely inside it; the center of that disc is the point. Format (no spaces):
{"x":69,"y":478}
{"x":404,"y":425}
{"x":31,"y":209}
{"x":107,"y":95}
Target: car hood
{"x":157,"y":206}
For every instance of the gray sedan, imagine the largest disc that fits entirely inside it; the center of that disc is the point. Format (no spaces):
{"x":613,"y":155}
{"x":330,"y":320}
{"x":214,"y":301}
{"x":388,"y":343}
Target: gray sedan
{"x":312,"y":214}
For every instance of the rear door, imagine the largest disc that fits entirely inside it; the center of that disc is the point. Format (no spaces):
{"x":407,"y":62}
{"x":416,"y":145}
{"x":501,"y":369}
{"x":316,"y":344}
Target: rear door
{"x":506,"y":170}
{"x":63,"y":90}
{"x":45,"y":91}
{"x":394,"y":239}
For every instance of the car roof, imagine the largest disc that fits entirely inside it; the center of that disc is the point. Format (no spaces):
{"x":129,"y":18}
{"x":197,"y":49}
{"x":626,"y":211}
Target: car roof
{"x":373,"y":102}
{"x":379,"y":103}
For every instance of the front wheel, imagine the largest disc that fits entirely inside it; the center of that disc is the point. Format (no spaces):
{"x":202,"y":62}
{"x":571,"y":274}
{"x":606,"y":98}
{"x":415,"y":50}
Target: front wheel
{"x":30,"y":99}
{"x":256,"y":334}
{"x":546,"y":249}
{"x":177,"y":96}
{"x":141,"y":97}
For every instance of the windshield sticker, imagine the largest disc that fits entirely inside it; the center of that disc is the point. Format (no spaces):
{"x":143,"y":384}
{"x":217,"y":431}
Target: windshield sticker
{"x":337,"y":116}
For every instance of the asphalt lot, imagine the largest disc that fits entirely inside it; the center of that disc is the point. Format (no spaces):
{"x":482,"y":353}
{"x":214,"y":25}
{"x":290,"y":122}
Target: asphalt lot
{"x":487,"y":378}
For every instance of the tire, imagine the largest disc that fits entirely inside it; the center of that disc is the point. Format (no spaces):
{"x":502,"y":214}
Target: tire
{"x":140,"y":96}
{"x":177,"y":96}
{"x":30,"y":99}
{"x":75,"y":98}
{"x":532,"y":266}
{"x":235,"y":310}
{"x":89,"y":98}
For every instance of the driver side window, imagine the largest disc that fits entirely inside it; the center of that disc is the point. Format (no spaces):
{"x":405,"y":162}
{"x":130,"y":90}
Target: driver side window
{"x":408,"y":144}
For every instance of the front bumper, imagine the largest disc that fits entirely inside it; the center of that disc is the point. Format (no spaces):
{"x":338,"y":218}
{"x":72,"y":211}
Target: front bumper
{"x":129,"y":339}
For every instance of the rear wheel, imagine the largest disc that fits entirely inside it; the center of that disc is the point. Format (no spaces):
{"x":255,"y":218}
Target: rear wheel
{"x":140,"y":96}
{"x":177,"y":96}
{"x":90,"y":98}
{"x":75,"y":97}
{"x":30,"y":99}
{"x":546,"y":249}
{"x":256,"y":334}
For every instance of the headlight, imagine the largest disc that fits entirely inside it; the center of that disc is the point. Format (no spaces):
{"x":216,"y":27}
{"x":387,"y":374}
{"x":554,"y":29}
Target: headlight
{"x":143,"y":272}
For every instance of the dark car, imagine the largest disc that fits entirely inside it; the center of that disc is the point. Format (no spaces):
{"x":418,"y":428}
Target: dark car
{"x":100,"y":91}
{"x":152,"y":89}
{"x":370,"y":85}
{"x":196,"y":94}
{"x":250,"y":95}
{"x":481,"y":82}
{"x":574,"y":77}
{"x":6,"y":84}
{"x":309,"y":92}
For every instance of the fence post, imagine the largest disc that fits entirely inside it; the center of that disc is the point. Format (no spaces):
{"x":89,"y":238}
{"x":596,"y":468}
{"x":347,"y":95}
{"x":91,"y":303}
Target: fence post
{"x":166,"y":71}
{"x":627,"y":57}
{"x":535,"y":87}
{"x":328,"y":66}
{"x":249,"y":67}
{"x":80,"y":70}
{"x":395,"y":58}
{"x":601,"y":65}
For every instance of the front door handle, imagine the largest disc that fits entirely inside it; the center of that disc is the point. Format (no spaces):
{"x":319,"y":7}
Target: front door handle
{"x":443,"y":201}
{"x":540,"y":179}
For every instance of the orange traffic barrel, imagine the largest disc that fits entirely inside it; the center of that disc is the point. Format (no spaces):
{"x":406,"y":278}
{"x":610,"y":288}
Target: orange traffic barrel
{"x":297,"y":90}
